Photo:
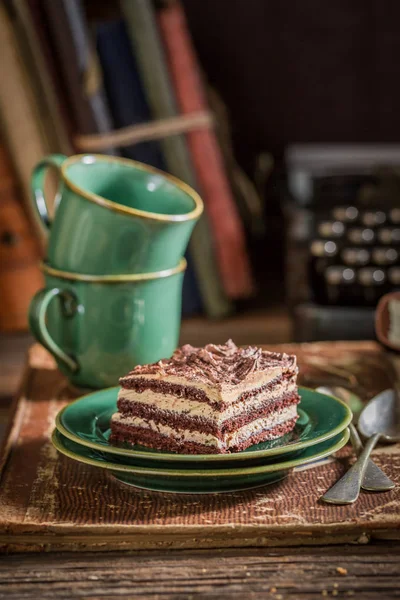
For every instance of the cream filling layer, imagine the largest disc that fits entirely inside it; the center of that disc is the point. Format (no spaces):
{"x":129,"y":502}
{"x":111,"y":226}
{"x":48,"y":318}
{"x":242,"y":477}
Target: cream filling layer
{"x":191,"y":408}
{"x":230,"y":439}
{"x":224,"y":392}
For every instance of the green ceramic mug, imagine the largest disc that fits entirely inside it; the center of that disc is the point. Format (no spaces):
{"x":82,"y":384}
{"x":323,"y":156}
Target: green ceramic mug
{"x":98,"y":328}
{"x":114,"y":215}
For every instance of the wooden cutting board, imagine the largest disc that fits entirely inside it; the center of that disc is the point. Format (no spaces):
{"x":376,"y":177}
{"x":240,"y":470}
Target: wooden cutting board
{"x":49,"y":502}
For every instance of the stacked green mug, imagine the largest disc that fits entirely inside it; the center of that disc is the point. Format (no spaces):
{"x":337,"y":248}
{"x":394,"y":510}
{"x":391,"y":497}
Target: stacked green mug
{"x":114,"y":267}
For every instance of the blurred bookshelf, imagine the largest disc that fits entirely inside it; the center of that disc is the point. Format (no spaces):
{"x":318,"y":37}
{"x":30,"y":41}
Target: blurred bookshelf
{"x":142,"y":74}
{"x":261,"y":265}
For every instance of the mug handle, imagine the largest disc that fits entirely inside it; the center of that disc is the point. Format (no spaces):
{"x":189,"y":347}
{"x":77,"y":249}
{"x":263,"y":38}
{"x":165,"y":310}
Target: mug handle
{"x":37,"y":322}
{"x":38,"y":195}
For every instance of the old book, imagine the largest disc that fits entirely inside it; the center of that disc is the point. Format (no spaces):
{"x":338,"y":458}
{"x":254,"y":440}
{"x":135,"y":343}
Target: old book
{"x":20,"y":277}
{"x":78,"y":62}
{"x":226,"y":226}
{"x":41,"y":26}
{"x":147,"y":46}
{"x":19,"y":115}
{"x":27,"y":28}
{"x":124,"y":88}
{"x":50,"y":503}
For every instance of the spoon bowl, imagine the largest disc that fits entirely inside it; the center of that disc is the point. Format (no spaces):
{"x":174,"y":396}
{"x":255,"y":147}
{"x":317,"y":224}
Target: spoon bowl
{"x":381,"y":415}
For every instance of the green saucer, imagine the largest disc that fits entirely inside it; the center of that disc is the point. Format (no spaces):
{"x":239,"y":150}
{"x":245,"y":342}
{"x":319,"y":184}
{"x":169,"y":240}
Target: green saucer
{"x":87,"y":422}
{"x":200,"y":480}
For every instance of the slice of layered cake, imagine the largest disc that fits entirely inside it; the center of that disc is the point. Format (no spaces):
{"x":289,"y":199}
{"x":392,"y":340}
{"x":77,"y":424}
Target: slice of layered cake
{"x":216,"y":399}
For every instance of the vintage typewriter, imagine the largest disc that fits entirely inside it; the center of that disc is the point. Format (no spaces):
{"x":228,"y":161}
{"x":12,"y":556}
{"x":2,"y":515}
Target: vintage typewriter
{"x":343,"y":241}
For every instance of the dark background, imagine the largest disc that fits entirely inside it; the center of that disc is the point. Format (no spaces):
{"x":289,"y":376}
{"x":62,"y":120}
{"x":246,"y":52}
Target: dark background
{"x":310,"y":71}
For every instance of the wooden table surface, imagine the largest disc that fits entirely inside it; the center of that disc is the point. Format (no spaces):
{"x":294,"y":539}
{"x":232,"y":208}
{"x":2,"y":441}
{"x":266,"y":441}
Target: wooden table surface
{"x":294,"y":573}
{"x":344,"y":571}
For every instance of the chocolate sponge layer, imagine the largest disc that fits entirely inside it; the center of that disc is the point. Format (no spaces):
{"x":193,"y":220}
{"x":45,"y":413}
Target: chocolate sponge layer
{"x":127,"y":434}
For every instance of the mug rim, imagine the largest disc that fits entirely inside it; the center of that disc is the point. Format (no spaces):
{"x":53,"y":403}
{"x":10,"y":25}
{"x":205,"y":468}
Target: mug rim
{"x":120,"y":208}
{"x":128,"y":278}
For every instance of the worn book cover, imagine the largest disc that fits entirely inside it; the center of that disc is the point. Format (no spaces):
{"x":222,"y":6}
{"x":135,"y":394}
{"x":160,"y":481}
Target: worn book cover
{"x":142,"y":27}
{"x":76,"y":58}
{"x":30,"y":29}
{"x":19,"y":114}
{"x":51,"y":502}
{"x":225,"y":222}
{"x":125,"y":93}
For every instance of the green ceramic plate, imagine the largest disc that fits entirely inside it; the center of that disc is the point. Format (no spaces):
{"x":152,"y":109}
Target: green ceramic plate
{"x":87,"y":420}
{"x":199,"y":481}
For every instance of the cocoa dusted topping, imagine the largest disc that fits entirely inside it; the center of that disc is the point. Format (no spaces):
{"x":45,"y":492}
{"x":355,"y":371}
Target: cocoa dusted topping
{"x":216,"y":363}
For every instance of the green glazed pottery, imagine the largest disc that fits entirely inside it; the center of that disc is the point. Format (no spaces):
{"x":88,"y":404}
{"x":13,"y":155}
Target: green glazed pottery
{"x":114,"y":215}
{"x":202,"y":480}
{"x":98,"y":328}
{"x":86,"y":421}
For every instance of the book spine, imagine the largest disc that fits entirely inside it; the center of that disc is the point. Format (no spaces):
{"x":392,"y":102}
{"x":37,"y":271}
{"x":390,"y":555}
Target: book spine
{"x":80,"y":66}
{"x":25,"y":138}
{"x":124,"y":88}
{"x":32,"y":40}
{"x":147,"y":46}
{"x":20,"y":277}
{"x":227,"y":229}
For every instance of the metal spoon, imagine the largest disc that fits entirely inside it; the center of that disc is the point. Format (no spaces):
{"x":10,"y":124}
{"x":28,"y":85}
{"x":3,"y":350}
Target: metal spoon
{"x":374,"y":479}
{"x":378,"y":420}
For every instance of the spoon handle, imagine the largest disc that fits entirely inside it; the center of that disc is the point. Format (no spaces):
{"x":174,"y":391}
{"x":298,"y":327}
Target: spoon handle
{"x":355,"y":439}
{"x":374,"y":479}
{"x":347,"y":489}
